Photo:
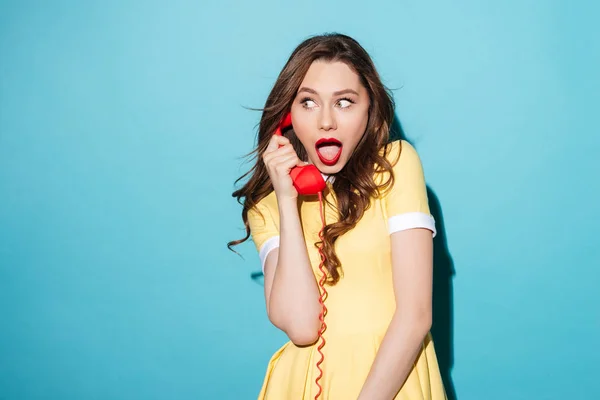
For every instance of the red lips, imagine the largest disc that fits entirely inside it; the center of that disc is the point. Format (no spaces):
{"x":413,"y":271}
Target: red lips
{"x":331,"y":156}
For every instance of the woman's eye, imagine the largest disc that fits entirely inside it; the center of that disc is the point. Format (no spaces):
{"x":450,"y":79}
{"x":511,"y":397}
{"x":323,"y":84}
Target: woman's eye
{"x":309,"y":103}
{"x":345,"y":103}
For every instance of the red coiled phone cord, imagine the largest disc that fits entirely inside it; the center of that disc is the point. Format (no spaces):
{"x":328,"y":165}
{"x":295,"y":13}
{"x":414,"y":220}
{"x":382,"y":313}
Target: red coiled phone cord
{"x":322,"y":298}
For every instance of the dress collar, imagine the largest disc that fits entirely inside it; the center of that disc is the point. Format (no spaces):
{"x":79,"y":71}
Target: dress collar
{"x":328,"y":178}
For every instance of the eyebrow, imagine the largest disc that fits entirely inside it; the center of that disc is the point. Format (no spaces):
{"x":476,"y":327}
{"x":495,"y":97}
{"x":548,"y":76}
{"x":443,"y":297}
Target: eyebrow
{"x":309,"y":90}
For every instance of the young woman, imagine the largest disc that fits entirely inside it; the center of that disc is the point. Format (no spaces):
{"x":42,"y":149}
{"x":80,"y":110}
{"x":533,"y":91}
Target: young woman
{"x":365,"y":332}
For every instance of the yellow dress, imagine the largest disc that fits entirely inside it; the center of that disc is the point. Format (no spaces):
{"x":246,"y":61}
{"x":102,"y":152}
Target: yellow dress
{"x":360,"y":306}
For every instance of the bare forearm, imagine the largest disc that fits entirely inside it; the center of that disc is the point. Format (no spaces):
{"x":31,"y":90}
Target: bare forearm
{"x":395,"y":358}
{"x":294,"y":295}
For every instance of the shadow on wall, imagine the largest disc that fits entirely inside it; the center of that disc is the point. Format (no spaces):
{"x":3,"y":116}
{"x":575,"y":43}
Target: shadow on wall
{"x":443,"y":274}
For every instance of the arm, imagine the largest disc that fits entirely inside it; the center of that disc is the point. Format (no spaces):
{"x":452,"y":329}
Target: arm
{"x":412,"y":263}
{"x":291,"y":291}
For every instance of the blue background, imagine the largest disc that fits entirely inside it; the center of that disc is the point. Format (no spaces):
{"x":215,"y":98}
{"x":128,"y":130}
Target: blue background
{"x":122,"y":125}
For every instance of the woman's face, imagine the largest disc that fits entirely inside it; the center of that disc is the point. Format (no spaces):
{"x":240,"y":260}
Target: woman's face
{"x":330,"y":114}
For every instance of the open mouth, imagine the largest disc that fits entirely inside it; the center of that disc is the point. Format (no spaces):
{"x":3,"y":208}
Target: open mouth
{"x":329,"y":150}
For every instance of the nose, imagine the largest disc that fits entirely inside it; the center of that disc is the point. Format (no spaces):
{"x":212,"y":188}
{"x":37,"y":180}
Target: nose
{"x":327,"y":120}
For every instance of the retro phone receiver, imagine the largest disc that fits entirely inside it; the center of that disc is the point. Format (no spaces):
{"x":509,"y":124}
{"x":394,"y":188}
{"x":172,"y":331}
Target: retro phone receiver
{"x":307,"y":179}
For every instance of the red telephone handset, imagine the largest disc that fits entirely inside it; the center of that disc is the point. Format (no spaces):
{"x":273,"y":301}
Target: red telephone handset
{"x":307,"y":179}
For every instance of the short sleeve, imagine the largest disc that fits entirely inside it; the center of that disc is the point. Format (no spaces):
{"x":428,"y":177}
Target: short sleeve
{"x":406,"y":201}
{"x":264,"y":230}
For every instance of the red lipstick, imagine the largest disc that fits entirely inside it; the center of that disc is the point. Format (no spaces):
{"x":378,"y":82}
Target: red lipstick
{"x":329,"y":150}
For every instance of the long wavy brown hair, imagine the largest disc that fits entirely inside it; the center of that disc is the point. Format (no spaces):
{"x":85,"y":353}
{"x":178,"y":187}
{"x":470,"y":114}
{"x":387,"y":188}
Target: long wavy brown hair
{"x":354,"y":186}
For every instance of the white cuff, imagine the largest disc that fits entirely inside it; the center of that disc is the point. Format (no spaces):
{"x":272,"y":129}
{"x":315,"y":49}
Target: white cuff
{"x":270,"y":244}
{"x":411,"y":220}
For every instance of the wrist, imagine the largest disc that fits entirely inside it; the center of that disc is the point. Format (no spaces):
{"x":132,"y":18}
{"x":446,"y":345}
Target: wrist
{"x":287,"y":201}
{"x":287,"y":205}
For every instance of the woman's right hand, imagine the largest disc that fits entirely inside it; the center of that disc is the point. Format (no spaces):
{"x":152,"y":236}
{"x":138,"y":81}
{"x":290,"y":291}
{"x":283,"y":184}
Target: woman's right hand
{"x":279,"y":161}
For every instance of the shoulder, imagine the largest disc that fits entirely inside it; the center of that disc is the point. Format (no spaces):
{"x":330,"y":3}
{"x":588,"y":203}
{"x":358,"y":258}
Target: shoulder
{"x":267,"y":204}
{"x":399,"y":151}
{"x":402,"y":156}
{"x":269,"y":201}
